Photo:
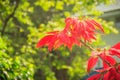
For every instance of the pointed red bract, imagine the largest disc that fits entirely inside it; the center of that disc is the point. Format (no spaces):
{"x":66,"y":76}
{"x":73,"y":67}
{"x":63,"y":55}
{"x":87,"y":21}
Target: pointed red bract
{"x":115,"y":50}
{"x":45,"y":40}
{"x":91,"y":63}
{"x":111,"y":75}
{"x":97,"y":24}
{"x":107,"y":60}
{"x":94,"y":77}
{"x":111,"y":61}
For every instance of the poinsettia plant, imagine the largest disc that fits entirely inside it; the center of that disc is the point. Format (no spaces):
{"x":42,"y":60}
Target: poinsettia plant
{"x":80,"y":32}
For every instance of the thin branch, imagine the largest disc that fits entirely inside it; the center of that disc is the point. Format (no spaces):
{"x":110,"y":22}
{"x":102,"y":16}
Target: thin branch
{"x":9,"y":17}
{"x":89,"y":47}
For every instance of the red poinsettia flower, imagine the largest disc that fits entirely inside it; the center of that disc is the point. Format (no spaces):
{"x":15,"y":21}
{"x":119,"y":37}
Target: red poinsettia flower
{"x":115,"y":50}
{"x":74,"y":31}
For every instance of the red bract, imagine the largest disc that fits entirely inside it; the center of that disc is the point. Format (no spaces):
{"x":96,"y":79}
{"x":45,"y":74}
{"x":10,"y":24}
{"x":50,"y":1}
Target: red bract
{"x":74,"y":31}
{"x":91,"y":63}
{"x":104,"y":56}
{"x":94,"y":77}
{"x":115,"y":50}
{"x":112,"y":74}
{"x":107,"y":59}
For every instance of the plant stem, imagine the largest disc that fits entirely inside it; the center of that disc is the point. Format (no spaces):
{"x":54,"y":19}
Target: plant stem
{"x":9,"y":17}
{"x":89,"y":47}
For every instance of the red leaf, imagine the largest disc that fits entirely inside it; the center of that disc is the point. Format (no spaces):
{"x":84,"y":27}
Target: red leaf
{"x":44,"y":41}
{"x":108,"y":76}
{"x":94,"y":77}
{"x":57,"y":44}
{"x":111,"y":60}
{"x":103,"y":70}
{"x":107,"y":60}
{"x":68,"y":21}
{"x":52,"y":42}
{"x":88,"y":23}
{"x":115,"y":50}
{"x":117,"y":46}
{"x":91,"y":63}
{"x":112,"y":74}
{"x":98,"y":25}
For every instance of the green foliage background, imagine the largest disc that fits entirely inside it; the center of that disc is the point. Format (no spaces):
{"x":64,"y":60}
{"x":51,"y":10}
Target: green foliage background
{"x":24,"y":22}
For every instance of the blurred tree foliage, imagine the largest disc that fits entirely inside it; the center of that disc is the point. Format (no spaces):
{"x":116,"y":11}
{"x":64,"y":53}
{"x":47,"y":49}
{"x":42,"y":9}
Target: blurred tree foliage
{"x":24,"y":22}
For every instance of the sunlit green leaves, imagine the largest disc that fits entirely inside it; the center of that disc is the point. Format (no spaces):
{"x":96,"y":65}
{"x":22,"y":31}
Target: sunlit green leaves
{"x":2,"y":44}
{"x":59,"y":5}
{"x":46,"y":4}
{"x":14,"y":68}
